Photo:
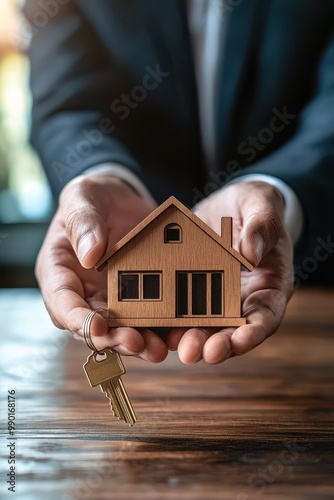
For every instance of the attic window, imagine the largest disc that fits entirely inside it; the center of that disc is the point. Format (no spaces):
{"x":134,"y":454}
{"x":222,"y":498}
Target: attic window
{"x":173,"y":233}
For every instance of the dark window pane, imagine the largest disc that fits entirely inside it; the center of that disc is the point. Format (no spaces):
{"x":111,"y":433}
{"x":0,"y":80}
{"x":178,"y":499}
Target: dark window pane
{"x":151,"y":286}
{"x":129,"y":286}
{"x":182,"y":294}
{"x":172,"y":234}
{"x":199,"y":293}
{"x":216,"y":293}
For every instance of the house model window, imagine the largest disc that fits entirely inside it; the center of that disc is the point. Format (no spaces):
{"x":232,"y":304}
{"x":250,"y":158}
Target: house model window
{"x":139,"y":286}
{"x":173,"y":233}
{"x":199,"y":293}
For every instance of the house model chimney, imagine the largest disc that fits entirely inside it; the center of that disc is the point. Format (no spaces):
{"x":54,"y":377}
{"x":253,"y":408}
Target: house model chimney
{"x":226,"y":231}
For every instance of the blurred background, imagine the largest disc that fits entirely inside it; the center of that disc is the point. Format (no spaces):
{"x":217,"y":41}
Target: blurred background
{"x":25,"y":198}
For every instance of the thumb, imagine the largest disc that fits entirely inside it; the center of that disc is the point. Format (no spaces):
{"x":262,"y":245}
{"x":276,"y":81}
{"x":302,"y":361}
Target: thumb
{"x":262,"y":227}
{"x":84,"y":224}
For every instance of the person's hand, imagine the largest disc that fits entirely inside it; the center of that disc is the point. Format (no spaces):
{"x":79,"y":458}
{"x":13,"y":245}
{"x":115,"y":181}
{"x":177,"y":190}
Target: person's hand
{"x":94,"y":213}
{"x":260,"y":236}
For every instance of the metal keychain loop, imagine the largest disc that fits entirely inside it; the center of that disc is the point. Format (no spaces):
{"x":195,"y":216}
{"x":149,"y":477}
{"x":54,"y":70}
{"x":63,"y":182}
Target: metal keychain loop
{"x":86,"y":329}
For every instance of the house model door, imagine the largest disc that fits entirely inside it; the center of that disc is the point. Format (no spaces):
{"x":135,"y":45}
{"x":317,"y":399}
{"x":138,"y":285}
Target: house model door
{"x":199,"y":293}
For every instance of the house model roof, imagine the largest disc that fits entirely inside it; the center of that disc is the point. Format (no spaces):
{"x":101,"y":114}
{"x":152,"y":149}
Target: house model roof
{"x":196,"y":220}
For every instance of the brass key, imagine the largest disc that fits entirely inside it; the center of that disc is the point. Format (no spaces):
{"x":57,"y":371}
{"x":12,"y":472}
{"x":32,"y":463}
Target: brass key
{"x":107,"y":373}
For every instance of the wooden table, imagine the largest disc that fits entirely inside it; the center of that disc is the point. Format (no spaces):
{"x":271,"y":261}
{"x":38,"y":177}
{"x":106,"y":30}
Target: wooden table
{"x":258,"y":426}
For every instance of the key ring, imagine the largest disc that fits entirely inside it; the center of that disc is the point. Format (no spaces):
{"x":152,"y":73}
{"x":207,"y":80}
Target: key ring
{"x":86,"y":329}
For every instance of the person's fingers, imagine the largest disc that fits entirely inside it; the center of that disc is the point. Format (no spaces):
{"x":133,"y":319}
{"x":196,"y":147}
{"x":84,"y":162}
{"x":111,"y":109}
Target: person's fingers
{"x":264,"y":311}
{"x":218,"y":347}
{"x":62,"y":289}
{"x":155,"y":348}
{"x":126,"y":341}
{"x":63,"y":293}
{"x":84,"y":225}
{"x":248,"y":337}
{"x":262,"y":223}
{"x":68,"y":310}
{"x":191,"y":345}
{"x":263,"y":321}
{"x":173,"y":338}
{"x":129,"y":341}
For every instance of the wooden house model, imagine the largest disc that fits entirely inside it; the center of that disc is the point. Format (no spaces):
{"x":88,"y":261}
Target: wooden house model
{"x":174,"y":270}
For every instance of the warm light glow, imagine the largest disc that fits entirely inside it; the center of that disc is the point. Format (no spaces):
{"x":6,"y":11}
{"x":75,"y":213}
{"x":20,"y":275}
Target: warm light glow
{"x":9,"y":25}
{"x":24,"y":193}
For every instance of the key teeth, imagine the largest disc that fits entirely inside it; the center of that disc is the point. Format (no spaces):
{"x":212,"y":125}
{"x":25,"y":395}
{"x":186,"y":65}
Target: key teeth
{"x":131,"y":424}
{"x":113,"y":410}
{"x":119,"y":417}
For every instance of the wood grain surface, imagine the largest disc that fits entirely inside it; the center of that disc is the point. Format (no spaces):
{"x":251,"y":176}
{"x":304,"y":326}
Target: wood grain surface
{"x":258,"y":426}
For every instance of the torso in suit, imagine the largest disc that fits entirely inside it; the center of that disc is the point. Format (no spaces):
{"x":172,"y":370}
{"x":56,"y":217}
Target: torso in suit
{"x":278,"y":61}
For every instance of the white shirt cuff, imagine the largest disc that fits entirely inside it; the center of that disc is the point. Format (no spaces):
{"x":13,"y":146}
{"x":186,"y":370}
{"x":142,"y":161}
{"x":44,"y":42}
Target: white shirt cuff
{"x":126,"y":175}
{"x":293,"y":213}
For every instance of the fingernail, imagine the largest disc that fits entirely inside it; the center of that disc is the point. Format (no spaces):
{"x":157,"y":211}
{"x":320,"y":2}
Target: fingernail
{"x":258,"y":244}
{"x":86,"y":243}
{"x":144,"y":356}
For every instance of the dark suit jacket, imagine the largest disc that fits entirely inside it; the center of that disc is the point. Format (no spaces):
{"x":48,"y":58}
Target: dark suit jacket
{"x":275,"y":112}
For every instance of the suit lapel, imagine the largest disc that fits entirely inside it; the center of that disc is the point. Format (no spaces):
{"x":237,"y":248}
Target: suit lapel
{"x":238,"y":44}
